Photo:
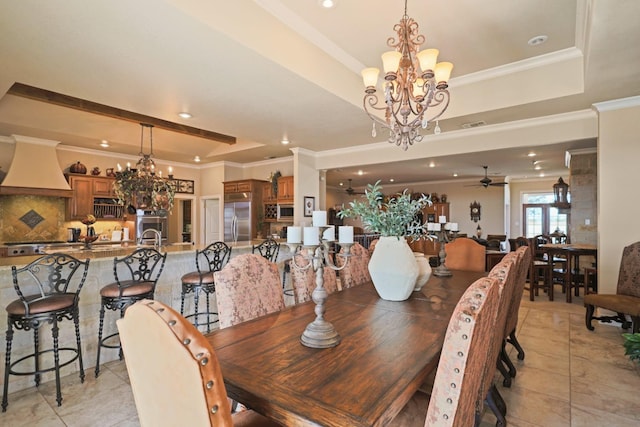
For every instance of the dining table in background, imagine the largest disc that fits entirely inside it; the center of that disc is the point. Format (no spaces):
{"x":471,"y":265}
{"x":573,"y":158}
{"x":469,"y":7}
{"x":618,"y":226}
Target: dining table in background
{"x":387,"y":350}
{"x":572,"y":253}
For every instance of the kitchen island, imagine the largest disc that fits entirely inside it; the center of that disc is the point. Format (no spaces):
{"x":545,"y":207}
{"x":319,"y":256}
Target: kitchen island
{"x":180,"y":260}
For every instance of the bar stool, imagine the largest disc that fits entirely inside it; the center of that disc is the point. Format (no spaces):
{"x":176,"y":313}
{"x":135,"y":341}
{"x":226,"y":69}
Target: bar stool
{"x":136,"y":277}
{"x":268,"y":248}
{"x":48,"y":293}
{"x":216,"y":255}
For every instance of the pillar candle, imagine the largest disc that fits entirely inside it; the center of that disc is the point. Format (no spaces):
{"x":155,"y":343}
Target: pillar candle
{"x":311,"y":236}
{"x":430,"y":226}
{"x":454,"y":226}
{"x":442,"y":219}
{"x":319,"y":218}
{"x":345,"y":234}
{"x":329,"y":234}
{"x":436,"y":227}
{"x":293,"y":235}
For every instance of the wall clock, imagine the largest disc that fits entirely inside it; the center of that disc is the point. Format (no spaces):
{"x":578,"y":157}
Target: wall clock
{"x":475,"y":211}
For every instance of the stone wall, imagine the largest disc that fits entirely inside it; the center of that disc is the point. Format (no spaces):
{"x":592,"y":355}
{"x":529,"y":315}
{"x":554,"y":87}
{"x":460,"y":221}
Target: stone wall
{"x":584,"y":200}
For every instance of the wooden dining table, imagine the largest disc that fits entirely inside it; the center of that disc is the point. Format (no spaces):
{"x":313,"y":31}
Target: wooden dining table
{"x":571,"y":253}
{"x":386,"y":352}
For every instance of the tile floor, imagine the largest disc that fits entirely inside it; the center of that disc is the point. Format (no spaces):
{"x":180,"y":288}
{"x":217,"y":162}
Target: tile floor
{"x":570,"y":377}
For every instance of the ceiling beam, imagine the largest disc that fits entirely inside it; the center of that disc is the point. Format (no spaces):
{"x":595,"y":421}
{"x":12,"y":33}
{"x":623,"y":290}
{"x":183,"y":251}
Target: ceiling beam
{"x":55,"y":98}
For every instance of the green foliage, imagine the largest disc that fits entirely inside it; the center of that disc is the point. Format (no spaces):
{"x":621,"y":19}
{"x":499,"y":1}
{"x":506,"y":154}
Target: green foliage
{"x":396,"y":216}
{"x":138,"y":190}
{"x":632,"y":346}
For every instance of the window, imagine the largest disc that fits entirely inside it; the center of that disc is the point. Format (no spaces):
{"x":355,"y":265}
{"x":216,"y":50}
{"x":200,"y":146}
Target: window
{"x":540,"y":217}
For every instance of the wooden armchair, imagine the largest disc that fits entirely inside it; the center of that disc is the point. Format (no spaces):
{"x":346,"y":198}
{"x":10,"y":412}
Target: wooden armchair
{"x":626,"y":300}
{"x":465,"y":254}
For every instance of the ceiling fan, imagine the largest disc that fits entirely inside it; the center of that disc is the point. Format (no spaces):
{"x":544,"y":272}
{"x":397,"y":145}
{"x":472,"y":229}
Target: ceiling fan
{"x":350,"y":191}
{"x":486,"y":181}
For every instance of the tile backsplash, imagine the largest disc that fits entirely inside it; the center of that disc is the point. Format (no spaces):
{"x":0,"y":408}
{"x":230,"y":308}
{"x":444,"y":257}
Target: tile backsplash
{"x":31,"y":218}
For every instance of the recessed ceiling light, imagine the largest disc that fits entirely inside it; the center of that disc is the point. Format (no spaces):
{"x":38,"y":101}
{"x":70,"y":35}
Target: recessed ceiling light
{"x":104,"y":143}
{"x":455,"y":174}
{"x":541,"y":175}
{"x":196,"y":159}
{"x":535,"y":41}
{"x":341,"y":184}
{"x":432,"y":164}
{"x":360,"y":173}
{"x":531,"y":154}
{"x":391,"y":180}
{"x":284,"y":141}
{"x":327,"y":4}
{"x":537,"y":167}
{"x":185,"y":115}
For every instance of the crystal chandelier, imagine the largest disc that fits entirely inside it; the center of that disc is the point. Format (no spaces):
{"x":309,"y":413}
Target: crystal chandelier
{"x":413,"y":84}
{"x":146,"y":165}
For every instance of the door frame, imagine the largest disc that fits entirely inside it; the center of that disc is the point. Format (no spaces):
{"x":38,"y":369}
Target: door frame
{"x":201,"y":229}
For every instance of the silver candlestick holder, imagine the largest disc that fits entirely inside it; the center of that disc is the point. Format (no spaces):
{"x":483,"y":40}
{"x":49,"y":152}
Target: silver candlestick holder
{"x":320,"y":333}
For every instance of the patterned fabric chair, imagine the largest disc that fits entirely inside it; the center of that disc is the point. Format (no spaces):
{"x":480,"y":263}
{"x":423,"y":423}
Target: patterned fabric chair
{"x":208,"y":260}
{"x":372,"y":246}
{"x":196,"y":397}
{"x":505,"y":272}
{"x":48,"y":292}
{"x":512,"y":316}
{"x":304,"y":281}
{"x":465,"y":254}
{"x":626,"y":300}
{"x":454,"y":398}
{"x":357,"y":270}
{"x":136,"y":277}
{"x":246,"y":288}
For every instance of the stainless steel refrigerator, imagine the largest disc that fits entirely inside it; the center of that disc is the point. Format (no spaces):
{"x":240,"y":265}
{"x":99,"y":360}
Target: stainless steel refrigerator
{"x":237,"y":217}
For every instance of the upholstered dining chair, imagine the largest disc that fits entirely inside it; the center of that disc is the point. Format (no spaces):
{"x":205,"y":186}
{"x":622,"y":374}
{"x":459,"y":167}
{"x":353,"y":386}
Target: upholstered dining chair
{"x":454,"y":399}
{"x":48,"y":292}
{"x":505,"y":272}
{"x":465,"y":254}
{"x":540,"y":269}
{"x":208,"y":260}
{"x":304,"y":281}
{"x":357,"y":270}
{"x":268,"y":248}
{"x":626,"y":300}
{"x":136,"y":276}
{"x":156,"y":341}
{"x":372,"y":246}
{"x":246,"y":288}
{"x":512,"y":316}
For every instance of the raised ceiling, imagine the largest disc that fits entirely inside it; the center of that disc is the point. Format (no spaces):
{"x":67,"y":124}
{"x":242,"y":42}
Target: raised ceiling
{"x":263,"y":70}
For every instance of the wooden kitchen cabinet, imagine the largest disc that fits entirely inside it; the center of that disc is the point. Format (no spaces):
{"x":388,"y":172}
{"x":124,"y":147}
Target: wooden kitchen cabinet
{"x":269,"y":202}
{"x":243,"y":186}
{"x":431,"y":213}
{"x":285,"y":189}
{"x":103,"y":187}
{"x":268,"y":195}
{"x":92,"y":195}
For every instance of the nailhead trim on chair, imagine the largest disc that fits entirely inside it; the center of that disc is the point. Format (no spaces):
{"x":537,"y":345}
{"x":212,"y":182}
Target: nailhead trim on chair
{"x":201,"y":356}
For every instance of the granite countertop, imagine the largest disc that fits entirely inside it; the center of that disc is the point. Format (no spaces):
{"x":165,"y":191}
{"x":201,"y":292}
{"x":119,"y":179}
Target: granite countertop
{"x":109,"y":249}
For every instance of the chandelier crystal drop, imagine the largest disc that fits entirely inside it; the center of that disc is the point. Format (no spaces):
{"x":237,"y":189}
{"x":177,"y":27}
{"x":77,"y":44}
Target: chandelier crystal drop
{"x":415,"y":86}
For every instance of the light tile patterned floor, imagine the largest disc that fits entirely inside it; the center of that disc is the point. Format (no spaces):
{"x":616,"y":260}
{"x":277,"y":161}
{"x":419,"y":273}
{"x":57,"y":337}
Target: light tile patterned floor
{"x":570,"y":377}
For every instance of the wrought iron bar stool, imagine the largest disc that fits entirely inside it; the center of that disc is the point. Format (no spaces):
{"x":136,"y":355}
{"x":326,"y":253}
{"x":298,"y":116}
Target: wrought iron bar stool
{"x":136,"y":276}
{"x":48,"y":292}
{"x":268,"y":248}
{"x":215,"y":256}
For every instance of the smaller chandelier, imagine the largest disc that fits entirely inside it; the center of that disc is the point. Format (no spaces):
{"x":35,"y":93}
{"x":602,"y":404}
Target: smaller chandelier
{"x":146,"y":165}
{"x":414,"y":83}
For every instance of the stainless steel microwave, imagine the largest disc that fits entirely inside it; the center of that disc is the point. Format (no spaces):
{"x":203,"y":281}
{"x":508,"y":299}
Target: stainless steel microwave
{"x":285,"y":212}
{"x":154,"y":222}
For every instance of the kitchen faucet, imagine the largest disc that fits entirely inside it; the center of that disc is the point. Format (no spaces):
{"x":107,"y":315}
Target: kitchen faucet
{"x":157,"y":238}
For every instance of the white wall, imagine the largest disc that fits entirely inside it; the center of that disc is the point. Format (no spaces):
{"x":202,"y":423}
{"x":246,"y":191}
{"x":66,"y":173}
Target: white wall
{"x":618,"y":174}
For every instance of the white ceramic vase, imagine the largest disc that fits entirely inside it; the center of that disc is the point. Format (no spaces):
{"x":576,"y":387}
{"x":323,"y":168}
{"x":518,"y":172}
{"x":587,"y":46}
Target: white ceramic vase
{"x":393,"y":268}
{"x":424,"y":271}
